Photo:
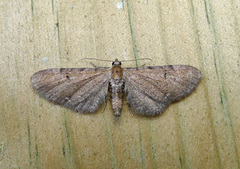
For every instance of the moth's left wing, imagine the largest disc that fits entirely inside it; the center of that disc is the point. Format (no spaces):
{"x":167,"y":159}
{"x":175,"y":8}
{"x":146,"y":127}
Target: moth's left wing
{"x":79,"y":89}
{"x":152,"y":89}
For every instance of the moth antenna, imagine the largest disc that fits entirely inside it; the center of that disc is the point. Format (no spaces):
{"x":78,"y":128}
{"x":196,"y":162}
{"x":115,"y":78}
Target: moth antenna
{"x":105,"y":60}
{"x":136,"y":59}
{"x":108,"y":60}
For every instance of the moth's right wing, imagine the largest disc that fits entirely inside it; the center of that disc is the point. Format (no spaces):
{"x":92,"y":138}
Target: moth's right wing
{"x":152,"y":89}
{"x":79,"y":89}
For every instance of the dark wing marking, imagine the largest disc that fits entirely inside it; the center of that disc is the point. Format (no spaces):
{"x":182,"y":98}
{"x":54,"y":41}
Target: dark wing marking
{"x":152,"y":89}
{"x":82,"y":90}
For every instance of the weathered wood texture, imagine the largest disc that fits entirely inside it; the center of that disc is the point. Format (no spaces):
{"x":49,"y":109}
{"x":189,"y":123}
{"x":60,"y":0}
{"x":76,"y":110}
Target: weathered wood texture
{"x":201,"y":131}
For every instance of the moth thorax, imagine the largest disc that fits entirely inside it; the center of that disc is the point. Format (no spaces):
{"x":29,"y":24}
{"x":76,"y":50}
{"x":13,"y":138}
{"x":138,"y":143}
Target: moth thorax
{"x":117,"y":73}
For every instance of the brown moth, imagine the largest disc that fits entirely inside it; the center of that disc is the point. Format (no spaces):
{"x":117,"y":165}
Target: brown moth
{"x":150,"y":90}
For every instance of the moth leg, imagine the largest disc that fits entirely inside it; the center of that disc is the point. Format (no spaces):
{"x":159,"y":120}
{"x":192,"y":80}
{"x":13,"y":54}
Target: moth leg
{"x":143,"y":65}
{"x":105,"y":104}
{"x":129,"y":108}
{"x":95,"y":66}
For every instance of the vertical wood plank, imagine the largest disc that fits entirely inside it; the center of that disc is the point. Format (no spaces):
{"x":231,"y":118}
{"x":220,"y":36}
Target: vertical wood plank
{"x":201,"y":131}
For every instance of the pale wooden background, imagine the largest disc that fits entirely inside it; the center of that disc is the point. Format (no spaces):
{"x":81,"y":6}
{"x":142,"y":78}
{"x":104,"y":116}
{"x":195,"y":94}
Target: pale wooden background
{"x":201,"y":131}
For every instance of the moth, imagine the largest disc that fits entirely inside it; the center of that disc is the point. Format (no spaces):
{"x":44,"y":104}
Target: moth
{"x":150,"y":89}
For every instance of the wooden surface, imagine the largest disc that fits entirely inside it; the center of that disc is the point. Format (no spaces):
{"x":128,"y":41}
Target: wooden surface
{"x":201,"y":131}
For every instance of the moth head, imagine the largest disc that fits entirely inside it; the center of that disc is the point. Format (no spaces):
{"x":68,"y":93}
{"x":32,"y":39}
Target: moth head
{"x":116,"y":62}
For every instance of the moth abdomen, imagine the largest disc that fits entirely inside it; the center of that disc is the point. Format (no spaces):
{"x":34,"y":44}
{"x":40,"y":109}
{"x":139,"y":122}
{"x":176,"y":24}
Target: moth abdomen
{"x":116,"y":96}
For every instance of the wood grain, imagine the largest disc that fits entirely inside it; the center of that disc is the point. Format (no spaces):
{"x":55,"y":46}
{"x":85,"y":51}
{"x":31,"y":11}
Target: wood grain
{"x":201,"y":131}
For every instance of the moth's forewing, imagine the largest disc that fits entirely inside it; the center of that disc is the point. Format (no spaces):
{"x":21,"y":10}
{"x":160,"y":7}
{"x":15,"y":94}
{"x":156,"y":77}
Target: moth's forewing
{"x":80,"y":89}
{"x":152,"y":89}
